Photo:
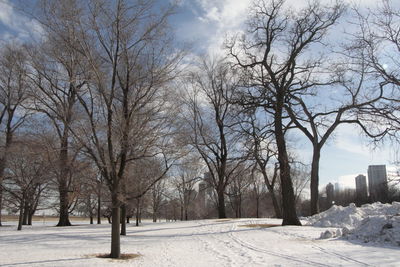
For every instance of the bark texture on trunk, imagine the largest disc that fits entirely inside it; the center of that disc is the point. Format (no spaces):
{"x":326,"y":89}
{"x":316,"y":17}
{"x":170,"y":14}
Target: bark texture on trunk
{"x":25,"y":214}
{"x":289,"y":215}
{"x":123,"y":221}
{"x":221,"y":204}
{"x":64,"y":214}
{"x":63,"y":181}
{"x":315,"y":181}
{"x":21,"y":215}
{"x":30,"y":219}
{"x":98,"y":209}
{"x":115,"y":227}
{"x":137,"y":212}
{"x":1,"y":199}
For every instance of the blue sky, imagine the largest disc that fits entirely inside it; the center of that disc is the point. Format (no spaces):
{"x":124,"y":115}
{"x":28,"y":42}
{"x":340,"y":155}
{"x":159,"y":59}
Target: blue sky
{"x":205,"y":24}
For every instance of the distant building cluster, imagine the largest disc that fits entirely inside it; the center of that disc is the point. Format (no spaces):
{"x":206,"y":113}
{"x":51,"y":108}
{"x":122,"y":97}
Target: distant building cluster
{"x":375,"y":190}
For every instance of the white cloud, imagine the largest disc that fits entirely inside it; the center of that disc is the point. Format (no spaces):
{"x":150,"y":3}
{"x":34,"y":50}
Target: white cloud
{"x":214,"y":20}
{"x":22,"y":26}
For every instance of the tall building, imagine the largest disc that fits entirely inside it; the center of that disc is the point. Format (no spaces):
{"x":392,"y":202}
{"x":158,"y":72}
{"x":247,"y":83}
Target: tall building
{"x":330,"y":194}
{"x":361,"y":190}
{"x":377,"y":183}
{"x":337,"y":190}
{"x":202,"y":196}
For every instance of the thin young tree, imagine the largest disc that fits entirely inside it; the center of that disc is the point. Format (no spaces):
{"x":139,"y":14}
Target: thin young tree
{"x":262,"y":147}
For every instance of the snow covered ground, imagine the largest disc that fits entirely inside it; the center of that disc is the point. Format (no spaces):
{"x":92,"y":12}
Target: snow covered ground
{"x":193,"y":243}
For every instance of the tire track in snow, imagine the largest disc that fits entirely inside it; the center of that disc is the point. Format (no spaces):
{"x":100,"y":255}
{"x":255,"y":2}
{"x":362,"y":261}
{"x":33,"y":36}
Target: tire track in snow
{"x":231,"y":254}
{"x":276,"y":254}
{"x":209,"y":246}
{"x":340,"y":256}
{"x":323,"y":250}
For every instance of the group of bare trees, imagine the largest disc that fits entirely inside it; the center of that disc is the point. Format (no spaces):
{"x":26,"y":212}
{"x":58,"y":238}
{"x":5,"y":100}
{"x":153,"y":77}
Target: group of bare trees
{"x":100,"y":109}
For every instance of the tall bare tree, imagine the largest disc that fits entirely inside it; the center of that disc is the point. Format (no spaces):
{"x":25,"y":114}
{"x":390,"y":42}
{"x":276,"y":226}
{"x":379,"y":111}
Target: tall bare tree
{"x":14,"y":86}
{"x":261,"y":145}
{"x":57,"y":74}
{"x":210,"y":121}
{"x":273,"y":57}
{"x":186,"y":175}
{"x":130,"y":59}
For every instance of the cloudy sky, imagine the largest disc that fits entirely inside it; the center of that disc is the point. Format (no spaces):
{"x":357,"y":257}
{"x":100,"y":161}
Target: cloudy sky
{"x":205,"y":24}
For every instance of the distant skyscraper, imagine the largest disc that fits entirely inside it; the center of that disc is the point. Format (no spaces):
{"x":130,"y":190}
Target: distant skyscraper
{"x":377,"y":183}
{"x":329,"y":194}
{"x":337,"y":188}
{"x":361,"y":190}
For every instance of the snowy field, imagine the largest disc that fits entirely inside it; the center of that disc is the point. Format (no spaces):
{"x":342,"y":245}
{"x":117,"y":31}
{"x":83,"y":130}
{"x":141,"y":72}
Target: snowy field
{"x":199,"y":243}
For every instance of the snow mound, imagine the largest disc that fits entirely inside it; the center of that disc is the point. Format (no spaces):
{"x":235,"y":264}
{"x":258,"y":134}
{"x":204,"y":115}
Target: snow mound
{"x":375,"y":222}
{"x":377,"y":229}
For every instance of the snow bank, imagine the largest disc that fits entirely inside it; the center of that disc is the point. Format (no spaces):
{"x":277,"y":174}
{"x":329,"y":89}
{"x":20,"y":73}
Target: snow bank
{"x":375,"y":222}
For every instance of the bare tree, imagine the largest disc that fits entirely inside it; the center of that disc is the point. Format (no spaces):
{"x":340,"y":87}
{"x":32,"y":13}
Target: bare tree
{"x":57,"y":74}
{"x":262,"y":146}
{"x":257,"y":189}
{"x":377,"y":43}
{"x":26,"y":178}
{"x":272,"y":55}
{"x":157,"y":198}
{"x":237,"y":188}
{"x":188,"y":173}
{"x":14,"y":86}
{"x":210,"y":121}
{"x":127,"y":47}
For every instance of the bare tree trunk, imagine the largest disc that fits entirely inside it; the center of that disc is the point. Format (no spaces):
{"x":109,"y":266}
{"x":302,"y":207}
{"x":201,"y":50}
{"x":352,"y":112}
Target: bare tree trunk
{"x":314,"y":181}
{"x":275,"y":202}
{"x":21,"y":214}
{"x":137,"y":211}
{"x":288,"y":199}
{"x":64,"y":216}
{"x":122,"y":219}
{"x":91,"y":219}
{"x":63,"y":184}
{"x":30,"y":217}
{"x":99,"y":208}
{"x":186,"y":213}
{"x":221,"y":204}
{"x":115,"y":227}
{"x":240,"y":206}
{"x":25,"y":213}
{"x":257,"y":207}
{"x":1,"y":197}
{"x":2,"y":167}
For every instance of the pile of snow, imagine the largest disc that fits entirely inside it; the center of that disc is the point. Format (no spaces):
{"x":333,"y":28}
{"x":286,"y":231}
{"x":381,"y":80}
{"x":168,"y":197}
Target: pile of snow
{"x":375,"y":222}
